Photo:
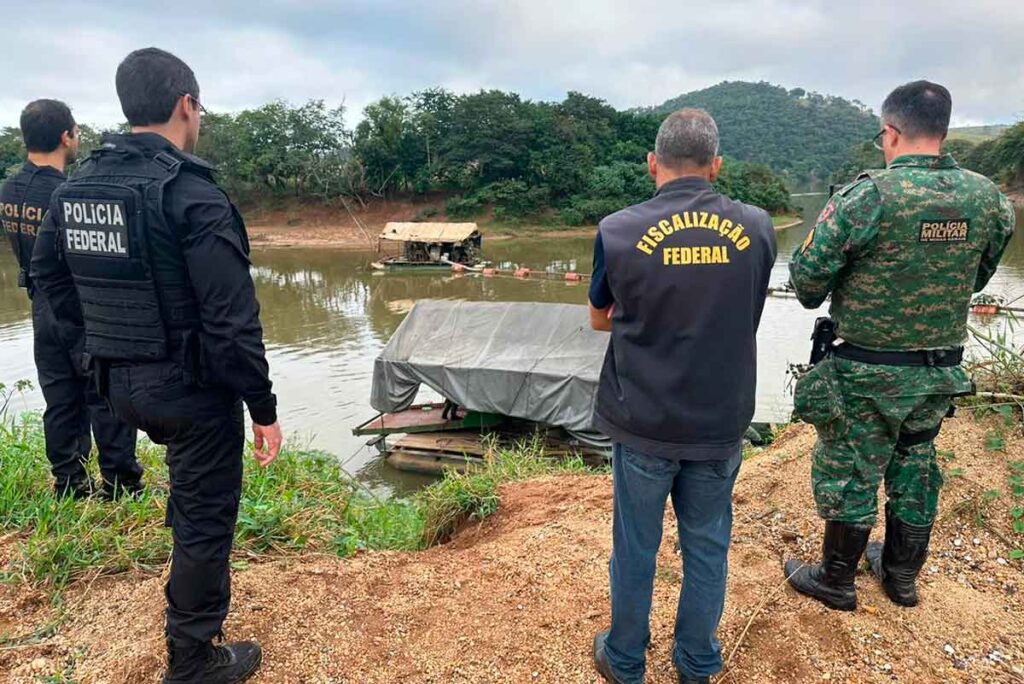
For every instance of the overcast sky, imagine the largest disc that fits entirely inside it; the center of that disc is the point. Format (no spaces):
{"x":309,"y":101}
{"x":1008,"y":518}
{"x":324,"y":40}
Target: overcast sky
{"x":628,"y":52}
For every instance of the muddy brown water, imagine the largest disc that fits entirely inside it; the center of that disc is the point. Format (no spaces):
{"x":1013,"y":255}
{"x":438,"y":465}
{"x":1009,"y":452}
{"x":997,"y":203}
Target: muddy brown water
{"x":326,"y":317}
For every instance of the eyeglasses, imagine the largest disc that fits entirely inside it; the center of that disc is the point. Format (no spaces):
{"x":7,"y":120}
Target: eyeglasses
{"x":202,"y":109}
{"x":877,"y":140}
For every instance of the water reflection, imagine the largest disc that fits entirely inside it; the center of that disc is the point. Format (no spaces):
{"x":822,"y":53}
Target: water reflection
{"x":327,"y":316}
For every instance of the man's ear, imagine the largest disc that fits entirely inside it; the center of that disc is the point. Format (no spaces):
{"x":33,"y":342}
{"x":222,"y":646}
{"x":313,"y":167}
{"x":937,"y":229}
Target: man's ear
{"x":652,"y":165}
{"x":716,"y":168}
{"x":67,"y":139}
{"x":184,"y":105}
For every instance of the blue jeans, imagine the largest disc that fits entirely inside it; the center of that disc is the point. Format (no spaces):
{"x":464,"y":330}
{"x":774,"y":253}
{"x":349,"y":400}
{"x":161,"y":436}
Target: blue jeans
{"x":702,"y":498}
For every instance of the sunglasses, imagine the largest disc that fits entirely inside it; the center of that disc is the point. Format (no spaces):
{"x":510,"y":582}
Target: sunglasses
{"x":199,"y":105}
{"x":877,"y":140}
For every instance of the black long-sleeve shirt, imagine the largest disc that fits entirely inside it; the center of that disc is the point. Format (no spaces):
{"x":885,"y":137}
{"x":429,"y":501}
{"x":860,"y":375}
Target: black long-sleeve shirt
{"x":215,"y":248}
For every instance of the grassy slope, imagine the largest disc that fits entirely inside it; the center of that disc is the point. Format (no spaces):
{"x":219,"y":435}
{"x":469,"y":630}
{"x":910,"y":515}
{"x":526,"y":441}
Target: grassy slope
{"x":303,"y":503}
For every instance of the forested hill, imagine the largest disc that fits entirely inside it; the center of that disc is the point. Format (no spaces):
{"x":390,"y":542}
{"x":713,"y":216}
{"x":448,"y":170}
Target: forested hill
{"x":802,"y":134}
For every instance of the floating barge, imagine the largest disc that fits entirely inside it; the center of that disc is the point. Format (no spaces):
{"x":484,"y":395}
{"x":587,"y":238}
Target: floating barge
{"x":428,"y":247}
{"x":511,"y":372}
{"x":426,"y":442}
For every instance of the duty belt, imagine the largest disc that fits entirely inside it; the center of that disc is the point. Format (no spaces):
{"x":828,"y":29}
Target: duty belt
{"x":942,"y":358}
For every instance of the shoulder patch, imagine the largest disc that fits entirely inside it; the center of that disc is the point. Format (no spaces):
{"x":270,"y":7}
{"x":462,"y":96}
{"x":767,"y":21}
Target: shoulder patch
{"x":827,"y":212}
{"x":807,"y":241}
{"x":945,"y":230}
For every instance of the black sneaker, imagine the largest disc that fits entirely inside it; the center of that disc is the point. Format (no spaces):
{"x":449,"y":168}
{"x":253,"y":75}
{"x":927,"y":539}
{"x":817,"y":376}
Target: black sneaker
{"x":208,"y":664}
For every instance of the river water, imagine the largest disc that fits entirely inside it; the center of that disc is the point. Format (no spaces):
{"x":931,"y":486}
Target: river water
{"x":326,"y":317}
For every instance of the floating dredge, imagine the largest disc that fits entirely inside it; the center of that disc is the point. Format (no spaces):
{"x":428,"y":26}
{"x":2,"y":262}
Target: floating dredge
{"x":508,"y":372}
{"x":428,"y":246}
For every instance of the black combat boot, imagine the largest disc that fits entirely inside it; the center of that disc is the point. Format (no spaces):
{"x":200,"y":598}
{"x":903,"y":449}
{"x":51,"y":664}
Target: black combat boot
{"x":692,"y":680}
{"x":119,"y":489}
{"x":898,"y":562}
{"x":79,"y":487}
{"x":831,"y":581}
{"x":198,"y":663}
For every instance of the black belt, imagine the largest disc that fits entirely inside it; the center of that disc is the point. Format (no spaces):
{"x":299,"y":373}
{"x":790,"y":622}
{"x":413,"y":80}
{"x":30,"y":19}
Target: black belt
{"x":943,"y":358}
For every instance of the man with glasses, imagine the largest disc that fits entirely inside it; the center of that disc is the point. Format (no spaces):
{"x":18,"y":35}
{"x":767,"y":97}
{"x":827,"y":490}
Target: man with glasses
{"x":72,"y":406}
{"x":901,"y":251}
{"x":145,"y":251}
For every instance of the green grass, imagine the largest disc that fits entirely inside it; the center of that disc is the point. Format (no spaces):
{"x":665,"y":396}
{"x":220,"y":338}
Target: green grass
{"x":460,"y":499}
{"x":302,"y":503}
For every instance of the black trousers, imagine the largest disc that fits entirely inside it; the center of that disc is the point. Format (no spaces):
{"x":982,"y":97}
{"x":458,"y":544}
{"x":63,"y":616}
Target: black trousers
{"x":204,"y":433}
{"x":72,"y":407}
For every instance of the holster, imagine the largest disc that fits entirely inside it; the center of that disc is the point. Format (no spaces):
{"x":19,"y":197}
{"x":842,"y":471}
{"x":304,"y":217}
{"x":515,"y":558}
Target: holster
{"x":822,"y":338}
{"x":909,"y":439}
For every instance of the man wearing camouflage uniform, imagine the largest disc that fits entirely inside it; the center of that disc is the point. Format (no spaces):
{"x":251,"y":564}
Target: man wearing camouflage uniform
{"x":901,"y":250}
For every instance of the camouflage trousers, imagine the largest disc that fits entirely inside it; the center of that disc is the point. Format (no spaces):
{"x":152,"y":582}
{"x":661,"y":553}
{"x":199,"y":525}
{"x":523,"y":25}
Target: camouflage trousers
{"x":866,"y":417}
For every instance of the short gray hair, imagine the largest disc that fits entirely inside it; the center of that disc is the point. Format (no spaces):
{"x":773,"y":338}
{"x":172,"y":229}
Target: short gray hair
{"x":688,"y":137}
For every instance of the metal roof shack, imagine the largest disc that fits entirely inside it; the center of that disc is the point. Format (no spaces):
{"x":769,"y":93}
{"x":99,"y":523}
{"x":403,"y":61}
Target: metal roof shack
{"x":445,"y":233}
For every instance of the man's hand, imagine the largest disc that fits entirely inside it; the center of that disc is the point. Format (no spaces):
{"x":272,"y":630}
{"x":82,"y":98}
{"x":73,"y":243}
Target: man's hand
{"x":601,"y":319}
{"x":266,"y":443}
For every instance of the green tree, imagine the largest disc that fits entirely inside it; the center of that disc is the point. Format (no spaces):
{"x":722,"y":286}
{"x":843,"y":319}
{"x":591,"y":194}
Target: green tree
{"x":12,"y":151}
{"x":1009,"y":154}
{"x":489,"y":139}
{"x":754,"y":184}
{"x":277,"y":147}
{"x":385,"y":143}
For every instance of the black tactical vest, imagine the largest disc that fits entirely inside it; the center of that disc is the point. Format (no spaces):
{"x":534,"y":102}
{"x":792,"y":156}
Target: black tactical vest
{"x":125,"y":258}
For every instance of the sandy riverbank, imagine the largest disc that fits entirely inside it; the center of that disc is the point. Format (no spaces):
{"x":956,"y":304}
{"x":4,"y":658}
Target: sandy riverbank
{"x":335,"y":228}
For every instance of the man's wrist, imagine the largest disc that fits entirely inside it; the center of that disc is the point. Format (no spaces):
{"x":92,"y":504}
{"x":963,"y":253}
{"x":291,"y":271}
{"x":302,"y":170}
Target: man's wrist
{"x":264,"y":410}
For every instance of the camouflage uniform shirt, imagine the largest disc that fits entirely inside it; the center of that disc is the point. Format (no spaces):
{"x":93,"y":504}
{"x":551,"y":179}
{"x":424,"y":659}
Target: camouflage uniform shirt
{"x":900,"y":250}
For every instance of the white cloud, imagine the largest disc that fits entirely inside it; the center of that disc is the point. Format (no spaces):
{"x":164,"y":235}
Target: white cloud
{"x":631,"y":53}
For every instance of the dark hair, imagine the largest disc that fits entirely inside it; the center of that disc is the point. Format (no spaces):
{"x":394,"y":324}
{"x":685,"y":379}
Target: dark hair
{"x":919,"y":110}
{"x":150,"y":82}
{"x":43,"y":122}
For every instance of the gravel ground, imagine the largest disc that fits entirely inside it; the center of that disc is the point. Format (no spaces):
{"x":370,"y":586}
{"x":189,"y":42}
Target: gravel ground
{"x":519,"y":597}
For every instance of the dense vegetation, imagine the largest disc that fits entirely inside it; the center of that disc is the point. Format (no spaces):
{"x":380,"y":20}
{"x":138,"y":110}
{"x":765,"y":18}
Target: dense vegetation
{"x":489,"y":152}
{"x":495,"y":154}
{"x":1000,"y":158}
{"x":802,"y":134}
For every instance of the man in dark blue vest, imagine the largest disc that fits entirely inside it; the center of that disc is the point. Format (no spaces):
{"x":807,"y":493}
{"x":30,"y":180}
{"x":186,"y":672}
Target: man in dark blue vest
{"x":143,"y":251}
{"x":680,"y":282}
{"x":72,"y":405}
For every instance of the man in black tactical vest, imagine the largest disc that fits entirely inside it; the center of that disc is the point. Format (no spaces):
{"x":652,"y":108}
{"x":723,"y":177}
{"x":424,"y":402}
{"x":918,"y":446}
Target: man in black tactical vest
{"x":145,"y":250}
{"x":72,"y":404}
{"x":680,"y":282}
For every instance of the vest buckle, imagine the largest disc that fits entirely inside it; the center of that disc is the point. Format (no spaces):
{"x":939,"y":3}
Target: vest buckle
{"x":168,"y":162}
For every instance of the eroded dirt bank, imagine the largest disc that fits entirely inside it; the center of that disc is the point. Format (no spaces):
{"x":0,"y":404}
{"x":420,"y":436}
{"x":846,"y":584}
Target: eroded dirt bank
{"x":518,"y":597}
